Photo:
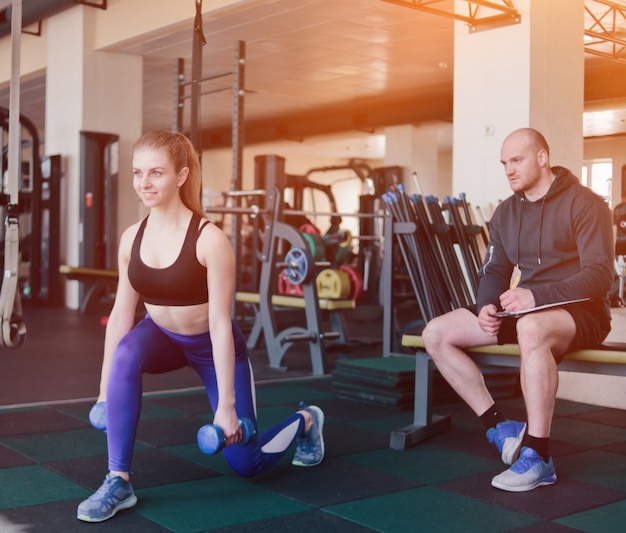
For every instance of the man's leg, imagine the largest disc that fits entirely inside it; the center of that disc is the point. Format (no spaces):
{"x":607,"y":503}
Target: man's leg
{"x":542,"y":337}
{"x":445,"y":338}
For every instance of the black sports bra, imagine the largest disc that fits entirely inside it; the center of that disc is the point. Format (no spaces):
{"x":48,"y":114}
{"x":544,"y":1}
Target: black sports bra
{"x":181,"y":283}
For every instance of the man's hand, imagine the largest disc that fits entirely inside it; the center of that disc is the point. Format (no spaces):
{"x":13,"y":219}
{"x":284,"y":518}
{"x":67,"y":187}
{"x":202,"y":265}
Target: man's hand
{"x":487,"y":320}
{"x":517,"y":299}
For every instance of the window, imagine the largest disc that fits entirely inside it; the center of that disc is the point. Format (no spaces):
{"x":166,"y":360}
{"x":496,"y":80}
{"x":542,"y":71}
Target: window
{"x":598,"y":176}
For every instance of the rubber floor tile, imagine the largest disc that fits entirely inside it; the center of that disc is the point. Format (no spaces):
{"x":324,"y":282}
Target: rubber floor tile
{"x":60,"y":517}
{"x":191,"y":453}
{"x":307,"y":522}
{"x":59,"y":445}
{"x":546,"y":527}
{"x":170,"y":431}
{"x":334,"y":481}
{"x":619,"y":448}
{"x":606,"y":519}
{"x":36,"y":420}
{"x":570,"y":408}
{"x":290,"y":395}
{"x":597,"y":467}
{"x":32,"y":485}
{"x":10,"y":458}
{"x":560,"y":448}
{"x":431,"y":510}
{"x":610,"y":417}
{"x":344,"y":438}
{"x":386,"y":424}
{"x":269,"y":416}
{"x":156,"y":467}
{"x":76,"y":410}
{"x":151,"y":410}
{"x":473,"y":441}
{"x":352,"y":410}
{"x":196,"y":403}
{"x":425,"y":463}
{"x":585,"y":433}
{"x":211,"y":504}
{"x":564,"y":497}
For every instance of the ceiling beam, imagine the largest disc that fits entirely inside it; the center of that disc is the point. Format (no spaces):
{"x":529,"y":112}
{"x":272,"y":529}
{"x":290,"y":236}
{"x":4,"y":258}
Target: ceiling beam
{"x":495,"y":13}
{"x":605,"y":32}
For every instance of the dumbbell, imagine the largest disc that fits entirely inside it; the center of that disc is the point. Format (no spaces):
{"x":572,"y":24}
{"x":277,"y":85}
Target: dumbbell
{"x":211,"y":438}
{"x":98,"y":416}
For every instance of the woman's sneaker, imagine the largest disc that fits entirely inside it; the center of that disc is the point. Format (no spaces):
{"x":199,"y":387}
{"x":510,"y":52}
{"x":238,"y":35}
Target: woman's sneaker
{"x":310,"y":445}
{"x":507,"y":436}
{"x":114,"y":494}
{"x":528,"y":472}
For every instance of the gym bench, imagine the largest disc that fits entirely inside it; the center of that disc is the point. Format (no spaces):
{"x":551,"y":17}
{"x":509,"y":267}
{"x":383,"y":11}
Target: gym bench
{"x":96,"y":280}
{"x":609,"y":359}
{"x":280,"y":342}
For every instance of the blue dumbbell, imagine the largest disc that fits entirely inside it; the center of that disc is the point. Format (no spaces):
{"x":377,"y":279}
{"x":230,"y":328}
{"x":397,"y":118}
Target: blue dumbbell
{"x":98,"y":416}
{"x":211,"y":437}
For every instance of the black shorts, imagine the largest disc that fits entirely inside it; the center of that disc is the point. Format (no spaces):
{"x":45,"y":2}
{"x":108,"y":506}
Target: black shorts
{"x":592,"y":320}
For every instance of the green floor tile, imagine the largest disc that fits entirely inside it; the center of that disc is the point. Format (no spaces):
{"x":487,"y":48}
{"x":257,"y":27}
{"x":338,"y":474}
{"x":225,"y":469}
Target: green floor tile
{"x":429,"y":509}
{"x":386,"y":424}
{"x":291,"y":395}
{"x":192,"y":453}
{"x":606,"y":519}
{"x":426,"y":463}
{"x":597,"y":467}
{"x":33,"y":485}
{"x":44,"y":447}
{"x":151,"y":411}
{"x":211,"y":504}
{"x":586,"y":433}
{"x":568,"y":408}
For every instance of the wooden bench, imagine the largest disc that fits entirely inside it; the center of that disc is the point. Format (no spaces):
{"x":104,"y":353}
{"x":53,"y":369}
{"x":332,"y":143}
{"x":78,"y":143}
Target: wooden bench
{"x":609,"y":359}
{"x":277,"y":343}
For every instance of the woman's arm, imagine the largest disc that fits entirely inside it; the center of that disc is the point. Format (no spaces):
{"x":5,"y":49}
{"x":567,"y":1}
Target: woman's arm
{"x":122,"y":317}
{"x":216,"y":253}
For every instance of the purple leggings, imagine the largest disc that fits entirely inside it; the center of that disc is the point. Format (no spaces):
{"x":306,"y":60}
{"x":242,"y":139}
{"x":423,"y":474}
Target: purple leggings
{"x":147,"y":348}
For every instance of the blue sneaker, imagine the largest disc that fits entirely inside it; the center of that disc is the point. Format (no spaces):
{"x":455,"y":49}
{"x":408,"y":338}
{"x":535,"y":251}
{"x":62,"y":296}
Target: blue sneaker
{"x":310,"y":445}
{"x":529,"y":471}
{"x":507,"y":436}
{"x":114,"y":494}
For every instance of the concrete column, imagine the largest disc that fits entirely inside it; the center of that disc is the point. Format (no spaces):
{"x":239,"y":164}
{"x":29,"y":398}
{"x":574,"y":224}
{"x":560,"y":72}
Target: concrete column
{"x":529,"y":74}
{"x":417,"y":149}
{"x":92,"y":90}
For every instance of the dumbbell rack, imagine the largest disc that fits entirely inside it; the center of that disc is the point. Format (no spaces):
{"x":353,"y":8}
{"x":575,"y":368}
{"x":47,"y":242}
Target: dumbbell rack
{"x":274,"y":235}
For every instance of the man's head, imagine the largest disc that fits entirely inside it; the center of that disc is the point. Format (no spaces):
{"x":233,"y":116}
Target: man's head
{"x":525,"y":156}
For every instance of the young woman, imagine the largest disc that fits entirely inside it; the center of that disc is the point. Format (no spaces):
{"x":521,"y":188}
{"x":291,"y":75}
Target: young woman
{"x":183,"y":268}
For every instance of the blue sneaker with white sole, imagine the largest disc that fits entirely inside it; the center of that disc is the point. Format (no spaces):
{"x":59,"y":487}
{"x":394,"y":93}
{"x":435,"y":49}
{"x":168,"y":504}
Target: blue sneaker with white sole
{"x":114,"y":494}
{"x":527,"y":473}
{"x":507,"y":437}
{"x":310,"y":445}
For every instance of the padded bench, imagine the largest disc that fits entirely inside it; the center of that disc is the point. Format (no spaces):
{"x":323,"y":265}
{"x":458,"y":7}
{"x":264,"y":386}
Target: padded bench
{"x":609,"y":359}
{"x":96,"y":280}
{"x":295,"y":302}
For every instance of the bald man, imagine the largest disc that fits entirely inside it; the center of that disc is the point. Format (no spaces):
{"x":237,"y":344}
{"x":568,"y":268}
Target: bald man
{"x":550,"y":241}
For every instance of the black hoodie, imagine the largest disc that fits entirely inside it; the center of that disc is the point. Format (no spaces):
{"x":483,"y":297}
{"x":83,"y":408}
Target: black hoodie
{"x":562,"y":243}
